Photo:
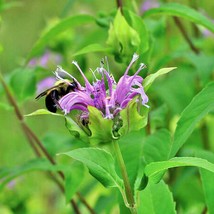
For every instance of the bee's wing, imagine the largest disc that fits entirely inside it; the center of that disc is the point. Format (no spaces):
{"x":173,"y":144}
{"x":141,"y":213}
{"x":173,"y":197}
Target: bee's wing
{"x":41,"y":95}
{"x":44,"y":93}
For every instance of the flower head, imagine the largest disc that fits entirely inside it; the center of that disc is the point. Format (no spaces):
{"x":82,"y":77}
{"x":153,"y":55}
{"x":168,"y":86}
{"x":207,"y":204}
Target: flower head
{"x":108,"y":109}
{"x":104,"y":93}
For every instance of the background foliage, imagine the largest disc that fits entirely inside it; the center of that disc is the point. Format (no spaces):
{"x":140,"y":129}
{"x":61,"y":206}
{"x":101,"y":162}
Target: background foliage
{"x":175,"y":33}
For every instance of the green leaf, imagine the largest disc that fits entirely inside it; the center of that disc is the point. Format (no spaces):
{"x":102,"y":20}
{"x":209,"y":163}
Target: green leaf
{"x":132,"y":120}
{"x":122,"y":38}
{"x":200,"y":105}
{"x":175,"y":9}
{"x":151,"y":78}
{"x":154,"y":169}
{"x":73,"y":180}
{"x":156,"y":199}
{"x":6,"y":175}
{"x":74,"y":129}
{"x":138,"y":24}
{"x":42,"y":112}
{"x":93,"y":48}
{"x":63,"y":25}
{"x":100,"y":164}
{"x":101,"y":128}
{"x":23,"y":83}
{"x":207,"y":179}
{"x":157,"y":146}
{"x":208,"y":187}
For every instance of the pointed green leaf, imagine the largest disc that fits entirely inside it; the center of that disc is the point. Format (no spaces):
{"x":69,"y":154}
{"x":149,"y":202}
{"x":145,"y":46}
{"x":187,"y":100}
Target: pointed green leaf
{"x":147,"y":82}
{"x":175,"y":9}
{"x":154,"y":169}
{"x":132,"y":120}
{"x":70,"y":124}
{"x":100,"y":164}
{"x":200,"y":105}
{"x":43,"y":112}
{"x":92,"y":48}
{"x":101,"y":128}
{"x":63,"y":25}
{"x":156,"y":199}
{"x":122,"y":38}
{"x":138,"y":24}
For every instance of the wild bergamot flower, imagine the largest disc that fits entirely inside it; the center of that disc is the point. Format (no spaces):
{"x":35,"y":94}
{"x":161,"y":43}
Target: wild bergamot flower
{"x":104,"y":94}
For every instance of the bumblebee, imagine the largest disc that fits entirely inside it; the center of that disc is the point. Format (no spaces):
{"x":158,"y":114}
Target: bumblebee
{"x":56,"y":92}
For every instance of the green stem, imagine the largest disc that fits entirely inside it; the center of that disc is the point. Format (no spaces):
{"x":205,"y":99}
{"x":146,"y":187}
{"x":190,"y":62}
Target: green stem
{"x":128,"y":190}
{"x":185,"y":35}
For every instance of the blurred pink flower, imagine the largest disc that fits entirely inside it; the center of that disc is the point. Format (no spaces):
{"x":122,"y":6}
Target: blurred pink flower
{"x":45,"y":84}
{"x":47,"y":58}
{"x":148,"y":4}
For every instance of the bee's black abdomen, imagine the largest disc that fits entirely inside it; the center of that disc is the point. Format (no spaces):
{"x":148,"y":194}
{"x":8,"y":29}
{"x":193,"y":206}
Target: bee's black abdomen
{"x":51,"y":101}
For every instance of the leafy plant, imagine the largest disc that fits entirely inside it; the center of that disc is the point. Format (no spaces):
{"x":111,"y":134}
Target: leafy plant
{"x":137,"y":137}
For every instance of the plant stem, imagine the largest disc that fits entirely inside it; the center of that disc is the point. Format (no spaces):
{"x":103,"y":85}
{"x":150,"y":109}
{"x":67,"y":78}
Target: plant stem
{"x":120,"y":5}
{"x":185,"y":35}
{"x":128,"y":190}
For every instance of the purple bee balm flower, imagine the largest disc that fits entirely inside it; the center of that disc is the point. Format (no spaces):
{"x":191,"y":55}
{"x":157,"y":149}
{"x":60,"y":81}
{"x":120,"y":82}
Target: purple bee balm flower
{"x":104,"y":94}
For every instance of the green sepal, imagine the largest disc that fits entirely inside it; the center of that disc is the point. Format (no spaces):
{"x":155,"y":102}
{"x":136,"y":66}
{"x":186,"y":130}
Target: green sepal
{"x":75,"y":130}
{"x":132,"y":120}
{"x":101,"y":128}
